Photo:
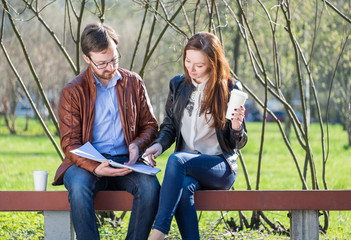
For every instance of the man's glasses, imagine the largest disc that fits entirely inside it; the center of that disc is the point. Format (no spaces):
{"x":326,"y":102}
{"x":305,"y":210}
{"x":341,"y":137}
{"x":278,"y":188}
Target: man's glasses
{"x":113,"y":62}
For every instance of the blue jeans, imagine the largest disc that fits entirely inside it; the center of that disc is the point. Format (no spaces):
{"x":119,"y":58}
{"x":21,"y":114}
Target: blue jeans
{"x":185,"y":173}
{"x":83,"y":186}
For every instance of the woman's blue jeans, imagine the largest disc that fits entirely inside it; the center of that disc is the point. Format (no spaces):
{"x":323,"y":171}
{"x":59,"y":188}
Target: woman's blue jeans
{"x":185,"y":173}
{"x":83,"y":186}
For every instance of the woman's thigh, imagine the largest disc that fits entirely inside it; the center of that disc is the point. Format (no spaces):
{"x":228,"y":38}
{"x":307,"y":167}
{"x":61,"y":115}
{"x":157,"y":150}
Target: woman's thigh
{"x":211,"y":171}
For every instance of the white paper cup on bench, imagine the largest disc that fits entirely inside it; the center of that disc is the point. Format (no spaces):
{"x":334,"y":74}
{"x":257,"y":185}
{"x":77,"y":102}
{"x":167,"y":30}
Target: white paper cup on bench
{"x":40,"y":180}
{"x":237,"y":99}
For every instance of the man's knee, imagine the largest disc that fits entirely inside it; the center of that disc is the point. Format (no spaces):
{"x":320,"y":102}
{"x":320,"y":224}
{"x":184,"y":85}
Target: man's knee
{"x":149,"y":188}
{"x":79,"y":188}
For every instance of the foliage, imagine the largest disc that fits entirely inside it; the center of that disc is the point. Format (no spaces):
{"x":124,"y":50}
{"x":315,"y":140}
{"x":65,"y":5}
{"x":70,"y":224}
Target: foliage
{"x":22,"y":154}
{"x":20,"y":225}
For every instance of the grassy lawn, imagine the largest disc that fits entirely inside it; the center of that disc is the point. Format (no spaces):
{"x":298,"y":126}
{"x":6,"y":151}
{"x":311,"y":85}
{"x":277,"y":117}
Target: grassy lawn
{"x":29,"y":151}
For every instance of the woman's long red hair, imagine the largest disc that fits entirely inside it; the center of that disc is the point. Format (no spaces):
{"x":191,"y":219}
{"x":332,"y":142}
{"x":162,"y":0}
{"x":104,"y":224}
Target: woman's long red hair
{"x":216,"y":92}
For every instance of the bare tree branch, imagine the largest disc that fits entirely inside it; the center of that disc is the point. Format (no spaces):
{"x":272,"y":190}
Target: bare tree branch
{"x":169,"y":23}
{"x":58,"y":150}
{"x":53,"y":35}
{"x":286,"y":11}
{"x":337,"y":10}
{"x":152,"y":30}
{"x":31,"y":67}
{"x":138,"y":39}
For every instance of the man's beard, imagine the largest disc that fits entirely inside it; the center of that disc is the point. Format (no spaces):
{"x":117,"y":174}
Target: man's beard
{"x":106,"y":75}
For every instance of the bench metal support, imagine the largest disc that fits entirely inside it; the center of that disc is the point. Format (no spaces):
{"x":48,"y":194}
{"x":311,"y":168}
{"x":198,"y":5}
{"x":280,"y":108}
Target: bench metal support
{"x":58,"y":225}
{"x":304,"y":225}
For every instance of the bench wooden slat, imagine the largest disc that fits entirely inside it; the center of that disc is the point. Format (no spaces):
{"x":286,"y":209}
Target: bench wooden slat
{"x":110,"y":200}
{"x":204,"y":200}
{"x":58,"y":201}
{"x":274,"y":200}
{"x":33,"y":201}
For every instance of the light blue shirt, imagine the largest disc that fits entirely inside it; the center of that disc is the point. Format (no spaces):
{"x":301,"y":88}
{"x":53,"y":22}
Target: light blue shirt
{"x":108,"y":135}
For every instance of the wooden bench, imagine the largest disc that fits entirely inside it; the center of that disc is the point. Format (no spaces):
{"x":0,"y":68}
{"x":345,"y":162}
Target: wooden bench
{"x":304,"y":206}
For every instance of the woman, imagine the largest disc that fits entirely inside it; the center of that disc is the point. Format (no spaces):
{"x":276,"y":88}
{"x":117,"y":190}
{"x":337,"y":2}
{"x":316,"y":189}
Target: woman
{"x":206,"y":143}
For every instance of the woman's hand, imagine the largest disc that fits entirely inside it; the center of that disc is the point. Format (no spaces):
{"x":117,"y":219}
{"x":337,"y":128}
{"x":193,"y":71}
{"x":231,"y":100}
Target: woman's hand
{"x":152,"y":153}
{"x":238,"y":118}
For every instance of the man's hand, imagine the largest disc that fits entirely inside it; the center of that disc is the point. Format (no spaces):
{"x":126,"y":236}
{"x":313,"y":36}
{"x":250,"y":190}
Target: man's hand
{"x":133,"y":154}
{"x":152,"y":153}
{"x":104,"y":169}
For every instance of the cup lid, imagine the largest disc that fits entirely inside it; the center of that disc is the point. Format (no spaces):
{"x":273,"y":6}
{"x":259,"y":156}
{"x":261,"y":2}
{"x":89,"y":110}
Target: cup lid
{"x":40,"y":172}
{"x":239,"y":92}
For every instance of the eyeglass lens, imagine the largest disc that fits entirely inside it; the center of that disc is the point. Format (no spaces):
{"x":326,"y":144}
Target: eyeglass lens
{"x":113,"y":62}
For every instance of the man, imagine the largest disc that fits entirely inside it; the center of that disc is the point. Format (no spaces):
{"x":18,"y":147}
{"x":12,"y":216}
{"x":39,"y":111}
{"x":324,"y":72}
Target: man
{"x":109,"y":107}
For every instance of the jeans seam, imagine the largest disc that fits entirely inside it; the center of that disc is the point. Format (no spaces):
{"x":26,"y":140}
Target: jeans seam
{"x":136,"y":210}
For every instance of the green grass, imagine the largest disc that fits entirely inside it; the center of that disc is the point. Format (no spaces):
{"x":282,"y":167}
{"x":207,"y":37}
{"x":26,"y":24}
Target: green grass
{"x":31,"y":150}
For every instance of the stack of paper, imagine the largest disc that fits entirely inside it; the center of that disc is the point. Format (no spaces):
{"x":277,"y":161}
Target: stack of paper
{"x":88,"y":151}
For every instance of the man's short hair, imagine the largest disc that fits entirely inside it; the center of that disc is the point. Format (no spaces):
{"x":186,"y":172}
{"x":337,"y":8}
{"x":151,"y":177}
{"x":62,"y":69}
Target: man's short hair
{"x":97,"y":37}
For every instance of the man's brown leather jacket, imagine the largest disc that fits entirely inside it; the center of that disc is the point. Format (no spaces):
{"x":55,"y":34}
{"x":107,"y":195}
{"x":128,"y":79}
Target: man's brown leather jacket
{"x":77,"y":113}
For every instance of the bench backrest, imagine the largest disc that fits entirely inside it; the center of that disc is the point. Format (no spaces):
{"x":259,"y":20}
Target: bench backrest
{"x":204,"y":200}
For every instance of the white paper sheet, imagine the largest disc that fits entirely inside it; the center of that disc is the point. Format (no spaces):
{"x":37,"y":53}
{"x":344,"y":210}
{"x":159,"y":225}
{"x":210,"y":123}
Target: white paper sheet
{"x":88,"y":151}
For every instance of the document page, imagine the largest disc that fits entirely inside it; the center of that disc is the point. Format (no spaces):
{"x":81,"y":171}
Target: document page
{"x":88,"y":151}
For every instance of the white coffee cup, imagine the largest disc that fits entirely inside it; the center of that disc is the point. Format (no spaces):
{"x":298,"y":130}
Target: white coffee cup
{"x":237,"y":99}
{"x":40,"y":180}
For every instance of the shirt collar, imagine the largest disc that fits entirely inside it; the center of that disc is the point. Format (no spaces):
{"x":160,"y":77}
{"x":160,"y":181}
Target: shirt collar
{"x":199,"y":86}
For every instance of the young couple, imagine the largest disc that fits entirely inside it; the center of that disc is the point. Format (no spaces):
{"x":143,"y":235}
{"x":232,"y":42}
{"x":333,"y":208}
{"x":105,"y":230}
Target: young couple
{"x":109,"y":107}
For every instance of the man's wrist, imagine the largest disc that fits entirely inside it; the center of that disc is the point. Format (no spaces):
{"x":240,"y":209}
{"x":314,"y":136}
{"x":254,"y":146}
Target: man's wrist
{"x":95,"y":174}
